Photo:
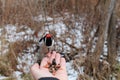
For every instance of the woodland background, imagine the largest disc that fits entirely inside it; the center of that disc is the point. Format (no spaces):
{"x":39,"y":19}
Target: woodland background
{"x":100,"y":31}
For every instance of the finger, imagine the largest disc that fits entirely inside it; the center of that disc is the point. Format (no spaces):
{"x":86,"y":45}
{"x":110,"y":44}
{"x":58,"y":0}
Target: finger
{"x":44,"y":62}
{"x":48,"y":54}
{"x":52,"y":56}
{"x":63,"y":63}
{"x":35,"y":66}
{"x":57,"y":58}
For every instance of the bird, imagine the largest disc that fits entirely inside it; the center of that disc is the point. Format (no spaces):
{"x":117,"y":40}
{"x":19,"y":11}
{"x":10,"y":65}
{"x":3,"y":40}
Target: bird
{"x":48,"y":41}
{"x":45,"y":45}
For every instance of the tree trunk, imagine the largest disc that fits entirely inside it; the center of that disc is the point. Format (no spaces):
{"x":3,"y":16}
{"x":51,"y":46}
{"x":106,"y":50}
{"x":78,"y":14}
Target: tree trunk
{"x":112,"y":51}
{"x":111,"y":33}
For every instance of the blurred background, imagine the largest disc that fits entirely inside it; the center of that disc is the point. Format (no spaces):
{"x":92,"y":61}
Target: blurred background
{"x":86,"y":31}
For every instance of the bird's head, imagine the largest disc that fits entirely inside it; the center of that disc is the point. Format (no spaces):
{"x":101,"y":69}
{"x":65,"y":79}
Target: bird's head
{"x":48,"y":36}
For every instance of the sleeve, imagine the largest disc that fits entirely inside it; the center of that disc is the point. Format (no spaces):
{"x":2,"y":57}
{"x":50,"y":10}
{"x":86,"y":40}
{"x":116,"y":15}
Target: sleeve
{"x":48,"y":78}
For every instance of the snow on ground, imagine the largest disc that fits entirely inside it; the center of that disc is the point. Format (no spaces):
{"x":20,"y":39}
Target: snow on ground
{"x":3,"y":77}
{"x":71,"y":72}
{"x":17,"y":75}
{"x":12,"y":35}
{"x":59,"y":28}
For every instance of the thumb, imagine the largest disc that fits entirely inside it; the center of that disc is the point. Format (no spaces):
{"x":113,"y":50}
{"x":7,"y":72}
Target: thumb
{"x":35,"y":67}
{"x":63,"y":63}
{"x":34,"y":71}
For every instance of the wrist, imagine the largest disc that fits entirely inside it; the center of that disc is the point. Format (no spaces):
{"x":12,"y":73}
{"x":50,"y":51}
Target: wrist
{"x":48,"y":78}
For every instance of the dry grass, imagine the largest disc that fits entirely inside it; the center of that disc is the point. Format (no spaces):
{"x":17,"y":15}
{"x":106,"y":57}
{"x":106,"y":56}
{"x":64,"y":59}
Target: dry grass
{"x":20,"y":13}
{"x":5,"y":59}
{"x":5,"y":66}
{"x":8,"y":62}
{"x":27,"y":77}
{"x":10,"y":78}
{"x":117,"y":70}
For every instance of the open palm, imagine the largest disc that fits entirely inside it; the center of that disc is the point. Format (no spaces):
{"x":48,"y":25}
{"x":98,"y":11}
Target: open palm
{"x":43,"y":70}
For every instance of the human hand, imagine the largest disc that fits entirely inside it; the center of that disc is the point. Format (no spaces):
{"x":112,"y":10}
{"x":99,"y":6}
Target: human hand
{"x":43,"y":70}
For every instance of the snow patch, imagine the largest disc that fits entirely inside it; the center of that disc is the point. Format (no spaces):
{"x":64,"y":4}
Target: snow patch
{"x":3,"y":77}
{"x":72,"y":74}
{"x":17,"y":75}
{"x":25,"y":61}
{"x":59,"y":28}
